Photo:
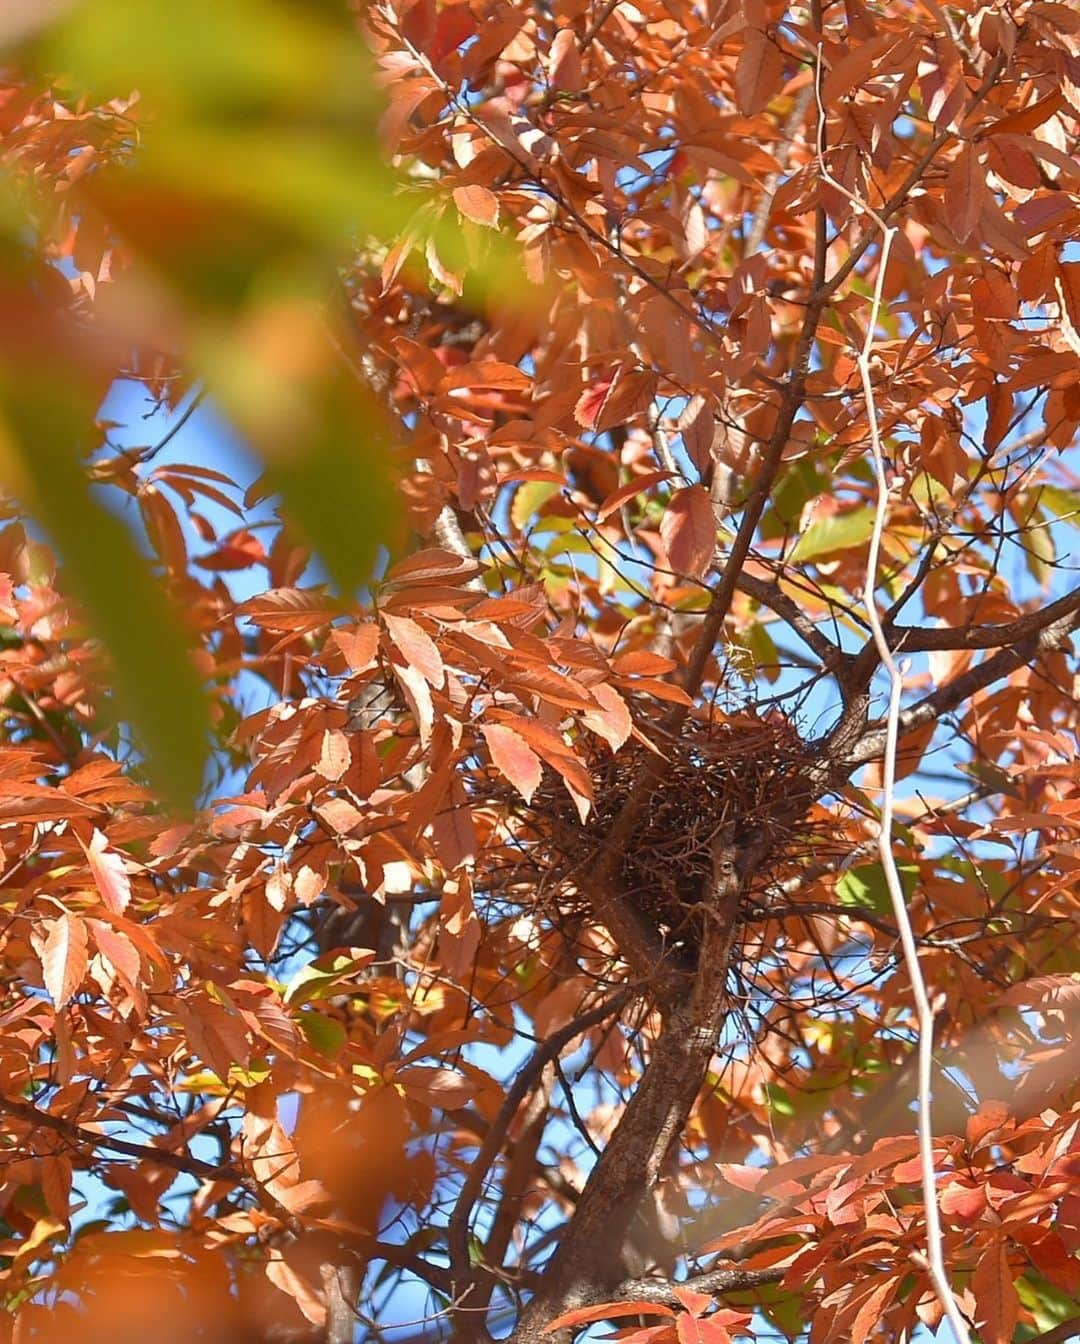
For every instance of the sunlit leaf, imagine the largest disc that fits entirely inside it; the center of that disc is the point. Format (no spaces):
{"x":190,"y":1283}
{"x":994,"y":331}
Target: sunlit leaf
{"x":834,"y":533}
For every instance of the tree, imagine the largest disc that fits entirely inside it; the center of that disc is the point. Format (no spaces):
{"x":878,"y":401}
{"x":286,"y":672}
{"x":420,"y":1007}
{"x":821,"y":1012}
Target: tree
{"x":645,"y":777}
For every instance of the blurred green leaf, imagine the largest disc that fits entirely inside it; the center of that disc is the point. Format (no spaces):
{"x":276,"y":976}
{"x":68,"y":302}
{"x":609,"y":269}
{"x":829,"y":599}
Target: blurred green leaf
{"x":214,"y":57}
{"x":800,"y":483}
{"x":1040,"y":553}
{"x":779,"y":1100}
{"x":1063,"y":504}
{"x":157,"y":689}
{"x":1048,"y":1304}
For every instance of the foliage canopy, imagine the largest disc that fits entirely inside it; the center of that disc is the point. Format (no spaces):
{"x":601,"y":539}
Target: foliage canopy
{"x":457,"y":873}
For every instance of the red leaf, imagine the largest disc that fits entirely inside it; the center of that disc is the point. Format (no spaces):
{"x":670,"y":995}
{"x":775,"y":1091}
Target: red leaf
{"x":433,"y":565}
{"x":486,"y":373}
{"x":965,"y":188}
{"x":335,"y":755}
{"x":612,"y":720}
{"x":478,"y":204}
{"x":418,"y":695}
{"x":514,"y":758}
{"x":454,"y":25}
{"x":110,"y":878}
{"x":358,"y":645}
{"x":997,"y":1304}
{"x":550,"y":746}
{"x":966,"y":1203}
{"x":565,"y":62}
{"x":869,"y":1314}
{"x":239,"y":550}
{"x":282,"y":1275}
{"x":642,"y":663}
{"x":120,"y":952}
{"x":695,"y":1303}
{"x":63,"y":958}
{"x":663,"y":690}
{"x":688,"y":531}
{"x":630,"y":491}
{"x":435,"y":1087}
{"x":290,"y":609}
{"x":417,"y":647}
{"x":610,"y":400}
{"x":453,"y":830}
{"x":600,"y":1312}
{"x":695,"y":1330}
{"x":1067,"y":288}
{"x":988,"y":1119}
{"x":759,"y":73}
{"x":591,"y":402}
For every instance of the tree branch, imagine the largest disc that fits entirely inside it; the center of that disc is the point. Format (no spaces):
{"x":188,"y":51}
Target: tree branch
{"x":727,"y":1280}
{"x":920,"y":639}
{"x":588,"y":1257}
{"x":961,"y":688}
{"x":1060,"y":1333}
{"x":461,"y":1270}
{"x":772,"y":596}
{"x":89,"y":1138}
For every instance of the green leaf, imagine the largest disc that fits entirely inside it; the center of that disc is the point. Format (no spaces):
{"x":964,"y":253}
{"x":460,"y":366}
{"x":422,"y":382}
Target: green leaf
{"x":325,"y":1034}
{"x":223,"y":57}
{"x":529,"y":499}
{"x":1063,"y":504}
{"x":865,"y":886}
{"x":318,"y":979}
{"x":341,"y":497}
{"x":782,"y":1307}
{"x":157,"y":689}
{"x":800,"y":483}
{"x":760,"y":644}
{"x":1040,"y":553}
{"x":258,"y":1072}
{"x":778,"y":1100}
{"x":839,"y":532}
{"x":1049,"y":1305}
{"x":326,"y":446}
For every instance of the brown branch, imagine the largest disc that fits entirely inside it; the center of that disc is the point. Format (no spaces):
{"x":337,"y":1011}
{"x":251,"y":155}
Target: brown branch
{"x":783,"y":154}
{"x":920,"y":639}
{"x":728,"y":1280}
{"x":588,"y":1258}
{"x":182,"y":1162}
{"x":1059,"y":1334}
{"x":871,"y":744}
{"x":772,"y":596}
{"x":596,"y":25}
{"x":457,"y":1235}
{"x":903,"y":191}
{"x":520,"y":1173}
{"x":80,"y":1135}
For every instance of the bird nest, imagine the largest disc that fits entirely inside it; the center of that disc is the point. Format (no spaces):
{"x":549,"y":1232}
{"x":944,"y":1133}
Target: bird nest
{"x":735,"y":779}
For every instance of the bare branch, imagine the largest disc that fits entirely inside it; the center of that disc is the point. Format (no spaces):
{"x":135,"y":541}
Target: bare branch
{"x":871,"y":744}
{"x":528,"y":1076}
{"x":726,"y":1280}
{"x":920,"y":639}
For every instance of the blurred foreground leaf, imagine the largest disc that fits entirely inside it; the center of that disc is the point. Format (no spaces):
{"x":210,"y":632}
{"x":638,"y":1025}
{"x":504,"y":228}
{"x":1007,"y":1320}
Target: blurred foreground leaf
{"x":157,"y":689}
